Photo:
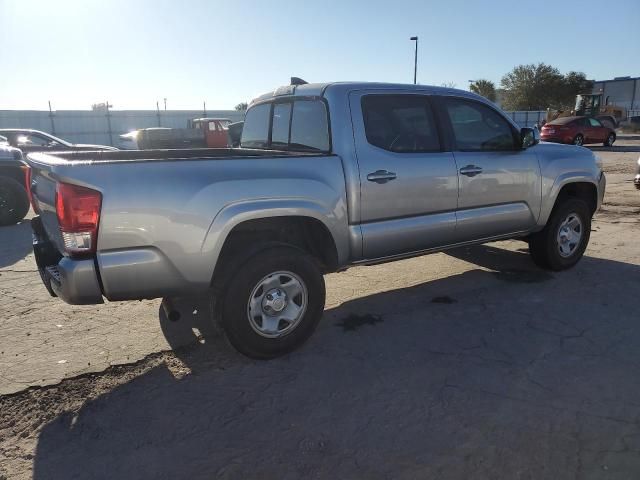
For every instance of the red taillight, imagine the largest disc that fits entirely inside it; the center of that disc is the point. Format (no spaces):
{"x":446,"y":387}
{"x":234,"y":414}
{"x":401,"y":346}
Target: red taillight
{"x":78,"y":210}
{"x":27,"y":185}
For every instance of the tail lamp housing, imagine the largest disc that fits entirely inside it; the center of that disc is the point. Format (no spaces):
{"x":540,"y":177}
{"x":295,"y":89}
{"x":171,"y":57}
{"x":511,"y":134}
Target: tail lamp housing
{"x":78,"y":211}
{"x":27,"y":186}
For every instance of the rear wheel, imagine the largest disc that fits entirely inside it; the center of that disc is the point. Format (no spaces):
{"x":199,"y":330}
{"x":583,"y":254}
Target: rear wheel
{"x":579,"y":140}
{"x":562,"y":242}
{"x":14,"y":202}
{"x":273,"y":302}
{"x":610,"y":139}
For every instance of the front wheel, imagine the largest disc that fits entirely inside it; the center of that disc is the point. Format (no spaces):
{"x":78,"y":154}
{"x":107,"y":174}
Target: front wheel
{"x":273,"y":302}
{"x":562,"y":242}
{"x":610,"y":139}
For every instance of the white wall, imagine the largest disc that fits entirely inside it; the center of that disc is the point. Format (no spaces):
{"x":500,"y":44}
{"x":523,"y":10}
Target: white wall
{"x":82,"y":126}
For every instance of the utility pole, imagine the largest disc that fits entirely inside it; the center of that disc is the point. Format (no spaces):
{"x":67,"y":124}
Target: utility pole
{"x":53,"y":124}
{"x":415,"y":61}
{"x":109,"y":122}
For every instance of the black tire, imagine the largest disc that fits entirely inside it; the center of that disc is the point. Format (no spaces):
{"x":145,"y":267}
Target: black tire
{"x":234,"y":301}
{"x":14,"y":201}
{"x":610,"y":139}
{"x":544,"y":246}
{"x":578,"y":140}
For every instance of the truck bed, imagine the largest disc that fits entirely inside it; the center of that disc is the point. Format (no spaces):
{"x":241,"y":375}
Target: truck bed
{"x":106,"y":156}
{"x":168,"y":212}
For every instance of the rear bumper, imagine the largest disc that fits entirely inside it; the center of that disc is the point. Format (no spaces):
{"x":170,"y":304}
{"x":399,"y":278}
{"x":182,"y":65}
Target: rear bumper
{"x":73,"y":280}
{"x":556,"y":139}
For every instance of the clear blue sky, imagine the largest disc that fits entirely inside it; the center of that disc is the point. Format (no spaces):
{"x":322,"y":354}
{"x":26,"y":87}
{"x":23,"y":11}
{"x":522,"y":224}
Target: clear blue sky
{"x":135,"y":52}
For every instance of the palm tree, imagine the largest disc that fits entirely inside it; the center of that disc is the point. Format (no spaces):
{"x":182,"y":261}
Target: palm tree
{"x":486,"y":88}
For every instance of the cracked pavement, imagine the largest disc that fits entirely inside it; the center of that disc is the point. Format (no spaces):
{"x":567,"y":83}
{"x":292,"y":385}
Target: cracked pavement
{"x":469,"y":364}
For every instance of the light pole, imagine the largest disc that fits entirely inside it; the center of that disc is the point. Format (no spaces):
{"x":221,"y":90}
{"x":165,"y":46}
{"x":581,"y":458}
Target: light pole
{"x":415,"y":61}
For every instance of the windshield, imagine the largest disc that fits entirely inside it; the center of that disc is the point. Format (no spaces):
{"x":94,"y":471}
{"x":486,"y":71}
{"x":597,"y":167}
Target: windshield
{"x":51,"y":139}
{"x":297,"y":125}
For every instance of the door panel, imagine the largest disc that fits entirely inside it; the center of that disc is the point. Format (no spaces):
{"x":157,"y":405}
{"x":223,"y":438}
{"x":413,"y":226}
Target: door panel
{"x":499,"y":185}
{"x":408,"y":195}
{"x":597,"y":133}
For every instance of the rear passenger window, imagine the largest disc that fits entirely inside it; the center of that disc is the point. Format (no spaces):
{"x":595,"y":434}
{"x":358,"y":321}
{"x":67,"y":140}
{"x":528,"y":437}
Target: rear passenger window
{"x":477,"y":127}
{"x":400,"y":123}
{"x":255,"y":132}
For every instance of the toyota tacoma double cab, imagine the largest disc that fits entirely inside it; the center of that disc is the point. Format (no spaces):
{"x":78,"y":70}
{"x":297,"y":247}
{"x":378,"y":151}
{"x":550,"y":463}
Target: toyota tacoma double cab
{"x":327,"y":176}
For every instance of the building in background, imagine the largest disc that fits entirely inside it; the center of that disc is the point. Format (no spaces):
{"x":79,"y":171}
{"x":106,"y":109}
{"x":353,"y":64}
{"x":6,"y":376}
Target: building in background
{"x":621,"y":92}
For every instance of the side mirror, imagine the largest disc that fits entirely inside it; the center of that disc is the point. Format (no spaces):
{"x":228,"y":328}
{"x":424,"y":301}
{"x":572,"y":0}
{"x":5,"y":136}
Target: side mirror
{"x":529,"y":137}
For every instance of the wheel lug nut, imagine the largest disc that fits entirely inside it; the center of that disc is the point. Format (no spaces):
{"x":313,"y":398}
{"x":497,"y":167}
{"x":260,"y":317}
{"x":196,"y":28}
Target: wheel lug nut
{"x":269,"y":297}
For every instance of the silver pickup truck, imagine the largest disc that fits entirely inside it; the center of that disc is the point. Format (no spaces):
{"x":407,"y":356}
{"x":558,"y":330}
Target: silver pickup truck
{"x":327,"y":176}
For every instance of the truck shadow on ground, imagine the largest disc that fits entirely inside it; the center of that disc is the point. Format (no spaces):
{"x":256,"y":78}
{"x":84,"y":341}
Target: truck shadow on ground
{"x":483,"y":374}
{"x":19,"y":238}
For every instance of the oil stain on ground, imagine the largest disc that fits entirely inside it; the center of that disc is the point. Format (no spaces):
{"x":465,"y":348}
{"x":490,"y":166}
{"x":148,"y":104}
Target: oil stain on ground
{"x":353,"y":321}
{"x":523,"y":276}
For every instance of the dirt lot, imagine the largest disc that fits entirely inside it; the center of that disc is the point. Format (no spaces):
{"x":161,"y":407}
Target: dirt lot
{"x":470,"y":364}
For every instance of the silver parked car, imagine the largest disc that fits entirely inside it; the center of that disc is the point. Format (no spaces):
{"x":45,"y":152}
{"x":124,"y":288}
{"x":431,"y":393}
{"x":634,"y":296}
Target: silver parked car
{"x":327,"y":176}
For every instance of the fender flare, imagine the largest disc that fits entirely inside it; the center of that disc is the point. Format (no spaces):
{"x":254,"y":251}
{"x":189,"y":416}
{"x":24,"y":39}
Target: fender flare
{"x":236,"y":213}
{"x":549,"y":200}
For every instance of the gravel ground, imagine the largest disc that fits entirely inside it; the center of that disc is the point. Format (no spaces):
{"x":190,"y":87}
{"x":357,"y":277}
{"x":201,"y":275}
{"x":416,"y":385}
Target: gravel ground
{"x":470,"y":364}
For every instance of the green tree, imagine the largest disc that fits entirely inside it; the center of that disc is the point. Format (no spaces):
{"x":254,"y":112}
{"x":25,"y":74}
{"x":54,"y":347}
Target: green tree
{"x":486,"y":88}
{"x":241,"y":107}
{"x":531,"y":87}
{"x":541,"y":86}
{"x":574,"y":83}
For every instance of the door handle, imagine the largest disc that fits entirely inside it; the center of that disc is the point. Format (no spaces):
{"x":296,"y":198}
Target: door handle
{"x":381,"y":176}
{"x":471,"y":170}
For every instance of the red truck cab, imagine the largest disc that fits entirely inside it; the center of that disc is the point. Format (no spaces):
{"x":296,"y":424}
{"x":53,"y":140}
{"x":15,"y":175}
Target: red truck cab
{"x":215,"y":130}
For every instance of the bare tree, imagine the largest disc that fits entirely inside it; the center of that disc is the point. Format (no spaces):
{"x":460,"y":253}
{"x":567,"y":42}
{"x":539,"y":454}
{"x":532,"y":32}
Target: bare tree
{"x":241,"y":107}
{"x":448,"y":84}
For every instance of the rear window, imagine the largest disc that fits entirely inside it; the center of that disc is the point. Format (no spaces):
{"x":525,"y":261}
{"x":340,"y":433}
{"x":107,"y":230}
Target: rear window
{"x":299,"y":125}
{"x":255,"y":133}
{"x":280,"y":126}
{"x":309,"y":126}
{"x":562,"y":121}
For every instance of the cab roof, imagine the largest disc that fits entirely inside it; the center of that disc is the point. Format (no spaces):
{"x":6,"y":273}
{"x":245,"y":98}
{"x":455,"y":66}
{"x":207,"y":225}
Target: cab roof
{"x":319,"y":89}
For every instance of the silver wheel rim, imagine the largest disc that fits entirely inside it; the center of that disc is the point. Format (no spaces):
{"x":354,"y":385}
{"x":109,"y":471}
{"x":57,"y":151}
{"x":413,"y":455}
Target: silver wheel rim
{"x":277,"y":304}
{"x":569,"y":235}
{"x":579,"y":140}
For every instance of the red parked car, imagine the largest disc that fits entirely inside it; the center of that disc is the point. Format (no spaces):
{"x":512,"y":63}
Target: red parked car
{"x":578,"y":131}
